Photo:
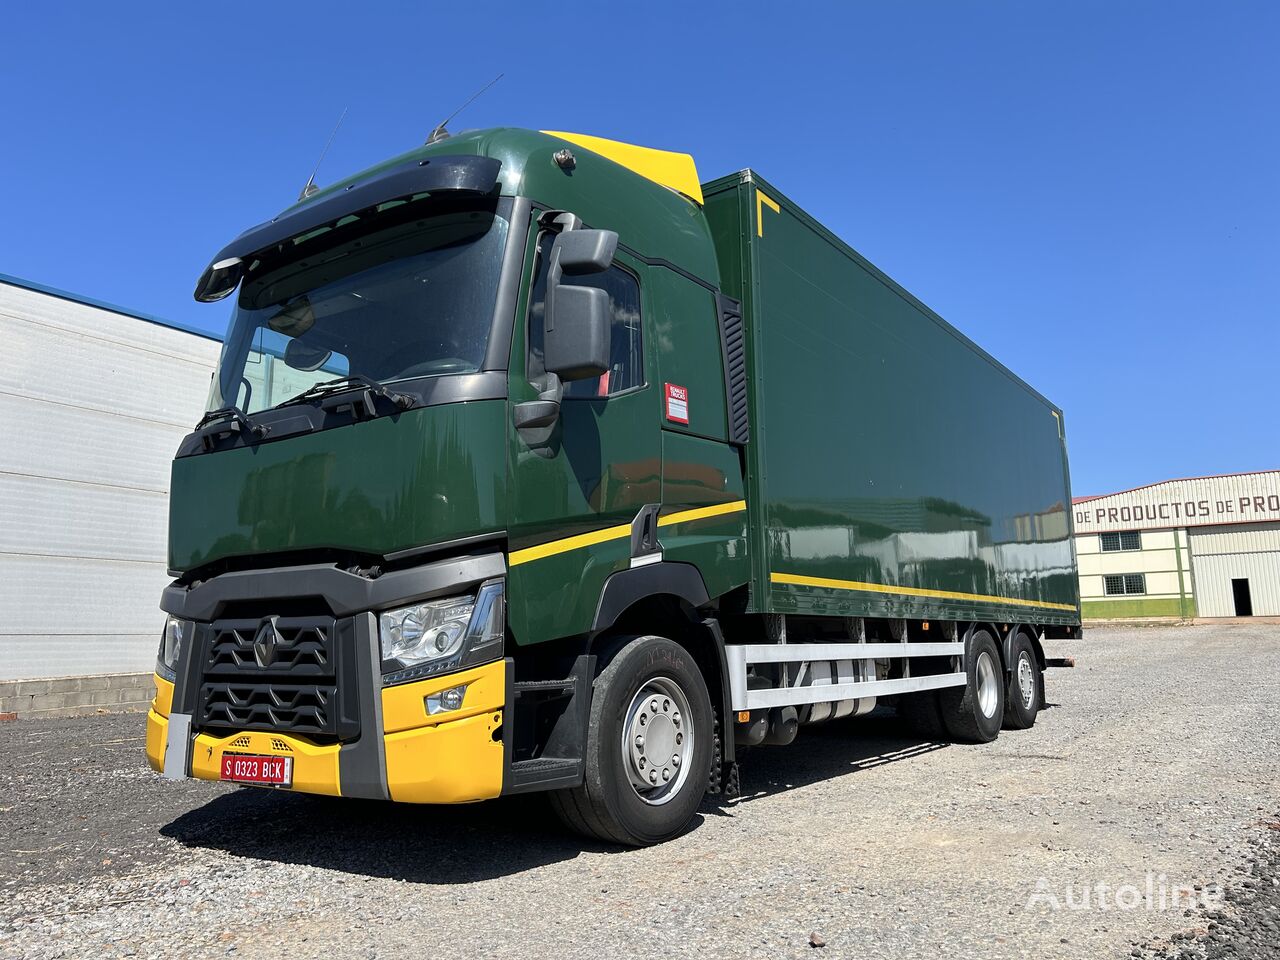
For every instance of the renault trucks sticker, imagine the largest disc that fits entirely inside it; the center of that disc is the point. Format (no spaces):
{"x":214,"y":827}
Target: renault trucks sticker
{"x":677,"y":404}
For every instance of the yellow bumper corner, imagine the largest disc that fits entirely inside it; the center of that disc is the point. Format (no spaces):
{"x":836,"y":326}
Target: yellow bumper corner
{"x":158,"y":722}
{"x":456,"y":759}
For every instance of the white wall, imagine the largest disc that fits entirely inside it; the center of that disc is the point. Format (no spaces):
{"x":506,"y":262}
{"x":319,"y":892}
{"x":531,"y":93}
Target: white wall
{"x":1247,"y":551}
{"x":1163,"y":553}
{"x":93,"y":404}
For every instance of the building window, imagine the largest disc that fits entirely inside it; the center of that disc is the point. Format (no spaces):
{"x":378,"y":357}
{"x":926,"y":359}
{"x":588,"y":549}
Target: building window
{"x":1127,"y":540}
{"x":1125,"y":583}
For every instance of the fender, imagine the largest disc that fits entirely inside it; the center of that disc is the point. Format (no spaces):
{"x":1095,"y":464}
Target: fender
{"x":625,"y":587}
{"x":1006,"y":645}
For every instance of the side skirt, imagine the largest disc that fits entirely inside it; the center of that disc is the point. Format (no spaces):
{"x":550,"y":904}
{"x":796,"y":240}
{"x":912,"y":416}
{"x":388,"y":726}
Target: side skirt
{"x":741,"y":656}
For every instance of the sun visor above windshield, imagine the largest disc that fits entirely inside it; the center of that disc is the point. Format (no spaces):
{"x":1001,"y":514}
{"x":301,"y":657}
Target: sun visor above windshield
{"x":449,"y":174}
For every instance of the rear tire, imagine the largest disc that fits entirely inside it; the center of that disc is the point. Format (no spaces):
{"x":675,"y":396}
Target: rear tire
{"x":1025,"y":690}
{"x":922,"y":714}
{"x":648,"y":750}
{"x":973,"y":713}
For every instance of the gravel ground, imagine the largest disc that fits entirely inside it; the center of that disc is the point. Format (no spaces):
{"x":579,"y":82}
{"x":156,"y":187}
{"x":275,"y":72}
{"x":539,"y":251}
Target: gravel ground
{"x":1156,"y":768}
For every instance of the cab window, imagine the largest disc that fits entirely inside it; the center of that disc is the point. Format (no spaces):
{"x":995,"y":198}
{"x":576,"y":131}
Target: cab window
{"x":626,"y":360}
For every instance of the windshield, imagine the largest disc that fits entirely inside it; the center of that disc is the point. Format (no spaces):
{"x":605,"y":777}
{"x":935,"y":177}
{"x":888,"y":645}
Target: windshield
{"x":410,"y":295}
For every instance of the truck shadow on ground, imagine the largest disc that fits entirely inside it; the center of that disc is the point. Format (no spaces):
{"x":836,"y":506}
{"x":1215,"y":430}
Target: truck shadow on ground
{"x":829,"y":750}
{"x":468,"y":843}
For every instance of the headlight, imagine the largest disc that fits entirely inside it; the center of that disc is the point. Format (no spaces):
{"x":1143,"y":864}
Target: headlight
{"x":174,"y":640}
{"x":442,"y":635}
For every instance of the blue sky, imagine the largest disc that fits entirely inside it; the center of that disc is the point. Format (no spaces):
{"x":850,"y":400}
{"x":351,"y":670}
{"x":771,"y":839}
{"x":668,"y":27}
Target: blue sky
{"x":1090,"y":190}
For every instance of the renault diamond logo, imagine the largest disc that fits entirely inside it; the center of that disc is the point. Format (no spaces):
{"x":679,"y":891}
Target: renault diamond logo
{"x":264,"y":643}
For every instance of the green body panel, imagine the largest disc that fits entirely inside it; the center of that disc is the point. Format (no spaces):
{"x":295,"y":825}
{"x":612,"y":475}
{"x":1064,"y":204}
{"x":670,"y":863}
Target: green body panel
{"x":1138,"y":607}
{"x":608,"y":458}
{"x":428,"y":475}
{"x":886,"y":448}
{"x":687,"y":337}
{"x":697,"y":473}
{"x":600,"y":465}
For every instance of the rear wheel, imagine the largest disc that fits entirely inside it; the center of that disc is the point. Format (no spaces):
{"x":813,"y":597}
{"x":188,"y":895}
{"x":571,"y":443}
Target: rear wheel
{"x":974,"y":712}
{"x":1025,"y":689}
{"x":922,"y":714}
{"x":648,"y":751}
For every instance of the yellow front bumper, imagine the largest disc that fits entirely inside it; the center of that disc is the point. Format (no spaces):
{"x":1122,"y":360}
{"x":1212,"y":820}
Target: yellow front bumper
{"x":454,"y":757}
{"x":158,"y":722}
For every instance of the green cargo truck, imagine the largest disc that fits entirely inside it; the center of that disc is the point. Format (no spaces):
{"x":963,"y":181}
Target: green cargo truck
{"x":534,"y":464}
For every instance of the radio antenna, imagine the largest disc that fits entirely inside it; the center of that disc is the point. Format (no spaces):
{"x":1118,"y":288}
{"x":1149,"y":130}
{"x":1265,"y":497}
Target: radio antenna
{"x":311,"y":187}
{"x":440,"y":133}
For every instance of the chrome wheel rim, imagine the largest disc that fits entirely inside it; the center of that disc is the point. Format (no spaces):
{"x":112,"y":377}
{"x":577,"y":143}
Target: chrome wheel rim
{"x":1026,"y":680}
{"x":658,"y":741}
{"x":987,"y":684}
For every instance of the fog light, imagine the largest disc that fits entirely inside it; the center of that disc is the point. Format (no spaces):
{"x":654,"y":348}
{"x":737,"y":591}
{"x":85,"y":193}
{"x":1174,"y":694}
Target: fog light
{"x":446,"y":700}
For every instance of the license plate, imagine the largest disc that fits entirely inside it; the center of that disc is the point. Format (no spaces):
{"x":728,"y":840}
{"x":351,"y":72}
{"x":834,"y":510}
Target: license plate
{"x":247,"y":768}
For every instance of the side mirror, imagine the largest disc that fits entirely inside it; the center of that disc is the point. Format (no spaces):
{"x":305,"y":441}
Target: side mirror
{"x":576,"y":319}
{"x":584,"y":251}
{"x":577,"y":346}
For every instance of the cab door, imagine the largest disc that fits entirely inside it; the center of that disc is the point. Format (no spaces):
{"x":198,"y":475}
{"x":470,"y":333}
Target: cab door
{"x":578,"y":485}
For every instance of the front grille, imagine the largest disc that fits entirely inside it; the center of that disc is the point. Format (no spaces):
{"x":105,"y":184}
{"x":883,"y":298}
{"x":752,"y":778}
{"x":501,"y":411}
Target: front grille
{"x":302,"y":647}
{"x":280,"y":674}
{"x":270,"y":706}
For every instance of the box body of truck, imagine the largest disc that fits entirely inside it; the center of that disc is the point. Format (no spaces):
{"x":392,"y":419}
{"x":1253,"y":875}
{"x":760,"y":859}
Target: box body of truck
{"x":894,"y":469}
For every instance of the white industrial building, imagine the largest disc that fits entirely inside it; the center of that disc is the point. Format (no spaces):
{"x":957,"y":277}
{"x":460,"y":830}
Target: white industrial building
{"x":1201,"y":547}
{"x":93,"y":402}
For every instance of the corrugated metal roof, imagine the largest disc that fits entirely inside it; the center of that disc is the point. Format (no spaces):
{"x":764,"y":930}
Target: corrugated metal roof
{"x":103,"y":305}
{"x":1207,"y":476}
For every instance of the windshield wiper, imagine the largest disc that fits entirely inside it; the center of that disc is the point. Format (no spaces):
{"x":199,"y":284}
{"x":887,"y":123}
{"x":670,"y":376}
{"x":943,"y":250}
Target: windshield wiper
{"x":370,"y":387}
{"x":226,"y":421}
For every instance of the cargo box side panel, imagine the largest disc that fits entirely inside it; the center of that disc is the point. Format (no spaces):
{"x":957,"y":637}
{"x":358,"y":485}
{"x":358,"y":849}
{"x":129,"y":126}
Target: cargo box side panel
{"x":902,"y":471}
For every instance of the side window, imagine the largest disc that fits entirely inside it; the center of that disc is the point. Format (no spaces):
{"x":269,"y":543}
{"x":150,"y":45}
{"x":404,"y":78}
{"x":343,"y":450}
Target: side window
{"x":626,"y":357}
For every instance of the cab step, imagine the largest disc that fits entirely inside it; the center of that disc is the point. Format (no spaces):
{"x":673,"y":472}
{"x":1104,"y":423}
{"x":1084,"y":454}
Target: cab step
{"x":559,"y":709}
{"x":544,"y":773}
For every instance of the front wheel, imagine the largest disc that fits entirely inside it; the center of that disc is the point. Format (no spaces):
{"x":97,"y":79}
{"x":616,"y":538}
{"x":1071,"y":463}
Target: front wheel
{"x":648,"y":750}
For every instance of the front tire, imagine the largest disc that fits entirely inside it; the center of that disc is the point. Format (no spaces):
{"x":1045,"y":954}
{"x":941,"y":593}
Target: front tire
{"x":974,"y":713}
{"x":648,"y":750}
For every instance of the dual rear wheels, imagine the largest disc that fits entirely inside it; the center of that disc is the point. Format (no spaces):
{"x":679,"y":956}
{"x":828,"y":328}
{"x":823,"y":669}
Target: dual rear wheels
{"x":989,"y":699}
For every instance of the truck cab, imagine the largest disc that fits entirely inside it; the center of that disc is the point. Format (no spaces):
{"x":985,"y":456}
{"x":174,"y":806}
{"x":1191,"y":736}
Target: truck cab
{"x":441,"y":460}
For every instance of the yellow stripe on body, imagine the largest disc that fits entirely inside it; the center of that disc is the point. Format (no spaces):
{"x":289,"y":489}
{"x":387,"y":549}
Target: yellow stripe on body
{"x":761,"y":202}
{"x":701,"y":513}
{"x":553,"y":547}
{"x":620,"y":532}
{"x":800,"y":581}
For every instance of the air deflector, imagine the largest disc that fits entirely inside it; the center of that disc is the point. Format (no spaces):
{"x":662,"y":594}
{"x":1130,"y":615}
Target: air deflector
{"x":447,"y":174}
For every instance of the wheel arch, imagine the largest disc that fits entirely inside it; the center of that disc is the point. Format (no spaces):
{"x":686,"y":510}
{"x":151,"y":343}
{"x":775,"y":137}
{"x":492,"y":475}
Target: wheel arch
{"x":666,"y":598}
{"x":624,"y":590}
{"x":1006,"y":644}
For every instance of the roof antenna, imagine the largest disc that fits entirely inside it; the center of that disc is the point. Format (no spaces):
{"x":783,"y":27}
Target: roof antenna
{"x":440,"y":133}
{"x":311,"y":187}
